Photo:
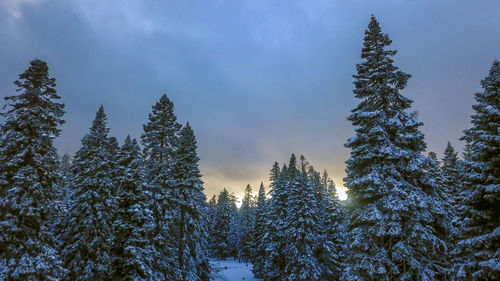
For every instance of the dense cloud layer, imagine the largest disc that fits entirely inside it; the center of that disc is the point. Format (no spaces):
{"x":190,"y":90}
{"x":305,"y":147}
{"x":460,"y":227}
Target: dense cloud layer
{"x":257,"y":80}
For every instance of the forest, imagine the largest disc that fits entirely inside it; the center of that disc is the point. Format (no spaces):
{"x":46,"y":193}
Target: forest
{"x":138,"y":211}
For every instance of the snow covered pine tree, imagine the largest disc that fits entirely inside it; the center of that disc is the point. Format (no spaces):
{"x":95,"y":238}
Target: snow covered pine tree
{"x":225,"y":210}
{"x":160,"y":140}
{"x":133,"y":221}
{"x":301,"y":226}
{"x":396,"y":219}
{"x":192,"y":239}
{"x":246,"y":217}
{"x":28,"y":178}
{"x":259,"y":246}
{"x":87,"y":234}
{"x":274,"y":237}
{"x":478,"y":254}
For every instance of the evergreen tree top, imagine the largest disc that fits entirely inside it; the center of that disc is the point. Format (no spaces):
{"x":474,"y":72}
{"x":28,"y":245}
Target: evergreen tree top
{"x":378,"y":79}
{"x":484,"y":134}
{"x":186,"y":166}
{"x":433,"y":156}
{"x":188,"y":141}
{"x":247,"y":201}
{"x":100,"y":121}
{"x":274,"y":174}
{"x":213,"y":201}
{"x":37,"y":102}
{"x":292,"y":165}
{"x":450,"y":156}
{"x":160,"y":133}
{"x":130,"y":149}
{"x":262,"y":193}
{"x":97,"y":137}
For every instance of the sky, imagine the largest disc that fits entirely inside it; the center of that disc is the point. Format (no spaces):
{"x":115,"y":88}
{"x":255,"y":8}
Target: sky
{"x":257,"y":80}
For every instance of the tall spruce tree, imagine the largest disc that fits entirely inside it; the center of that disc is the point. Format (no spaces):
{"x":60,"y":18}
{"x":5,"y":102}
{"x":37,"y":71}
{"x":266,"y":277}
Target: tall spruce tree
{"x":88,"y":228}
{"x":191,"y":225}
{"x":396,"y":219}
{"x":224,"y":213}
{"x":450,"y":171}
{"x":301,"y":226}
{"x":259,"y":244}
{"x":478,"y":253}
{"x":450,"y":175}
{"x":160,"y":141}
{"x":212,"y":203}
{"x":133,"y":221}
{"x":246,"y":216}
{"x":28,"y":177}
{"x":332,"y":252}
{"x":275,"y":262}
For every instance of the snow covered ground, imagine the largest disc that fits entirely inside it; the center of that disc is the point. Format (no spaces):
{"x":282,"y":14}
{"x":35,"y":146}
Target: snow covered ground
{"x":231,"y":270}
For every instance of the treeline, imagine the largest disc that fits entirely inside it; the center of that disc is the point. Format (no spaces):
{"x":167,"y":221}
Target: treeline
{"x":113,"y":213}
{"x":294,"y":232}
{"x":408,"y":215}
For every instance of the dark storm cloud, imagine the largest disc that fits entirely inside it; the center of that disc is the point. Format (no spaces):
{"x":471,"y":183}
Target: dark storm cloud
{"x":257,"y":80}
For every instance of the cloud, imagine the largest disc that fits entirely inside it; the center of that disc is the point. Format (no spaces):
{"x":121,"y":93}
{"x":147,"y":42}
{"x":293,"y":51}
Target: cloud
{"x":258,"y":80}
{"x":14,"y":8}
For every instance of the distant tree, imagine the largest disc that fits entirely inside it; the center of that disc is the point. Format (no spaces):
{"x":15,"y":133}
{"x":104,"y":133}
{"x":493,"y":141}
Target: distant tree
{"x":65,"y":169}
{"x":114,"y":150}
{"x":246,"y":216}
{"x":330,"y":251}
{"x":396,"y":218}
{"x":29,"y":177}
{"x":450,"y":171}
{"x":302,"y":227}
{"x":212,"y":204}
{"x":133,"y":222}
{"x":224,"y":213}
{"x":332,"y":254}
{"x":275,"y":256}
{"x":259,"y":244}
{"x":88,"y":227}
{"x":477,"y":255}
{"x":235,"y":228}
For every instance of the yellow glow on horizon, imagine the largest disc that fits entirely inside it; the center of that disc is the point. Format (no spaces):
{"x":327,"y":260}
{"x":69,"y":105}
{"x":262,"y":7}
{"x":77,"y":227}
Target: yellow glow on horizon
{"x":238,"y":201}
{"x":341,"y":192}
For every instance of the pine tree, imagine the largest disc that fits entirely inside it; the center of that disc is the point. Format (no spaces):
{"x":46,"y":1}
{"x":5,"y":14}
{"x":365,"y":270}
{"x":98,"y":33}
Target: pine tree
{"x":478,"y":253}
{"x":275,"y":239}
{"x":247,"y":221}
{"x":88,"y":227}
{"x":65,"y":169}
{"x":450,"y":171}
{"x":114,"y":150}
{"x":332,"y":252}
{"x":235,"y":228}
{"x":191,"y":227}
{"x":133,"y":222}
{"x":212,"y":204}
{"x":160,"y":141}
{"x":259,"y":244}
{"x":330,"y":248}
{"x":28,"y":177}
{"x":301,"y":226}
{"x":450,"y":176}
{"x":396,"y":223}
{"x":224,"y":212}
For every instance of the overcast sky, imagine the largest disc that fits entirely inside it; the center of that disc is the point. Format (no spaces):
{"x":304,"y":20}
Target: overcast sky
{"x":257,"y":80}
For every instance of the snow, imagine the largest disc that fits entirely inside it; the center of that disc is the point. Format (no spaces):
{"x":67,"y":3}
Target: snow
{"x":231,"y":270}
